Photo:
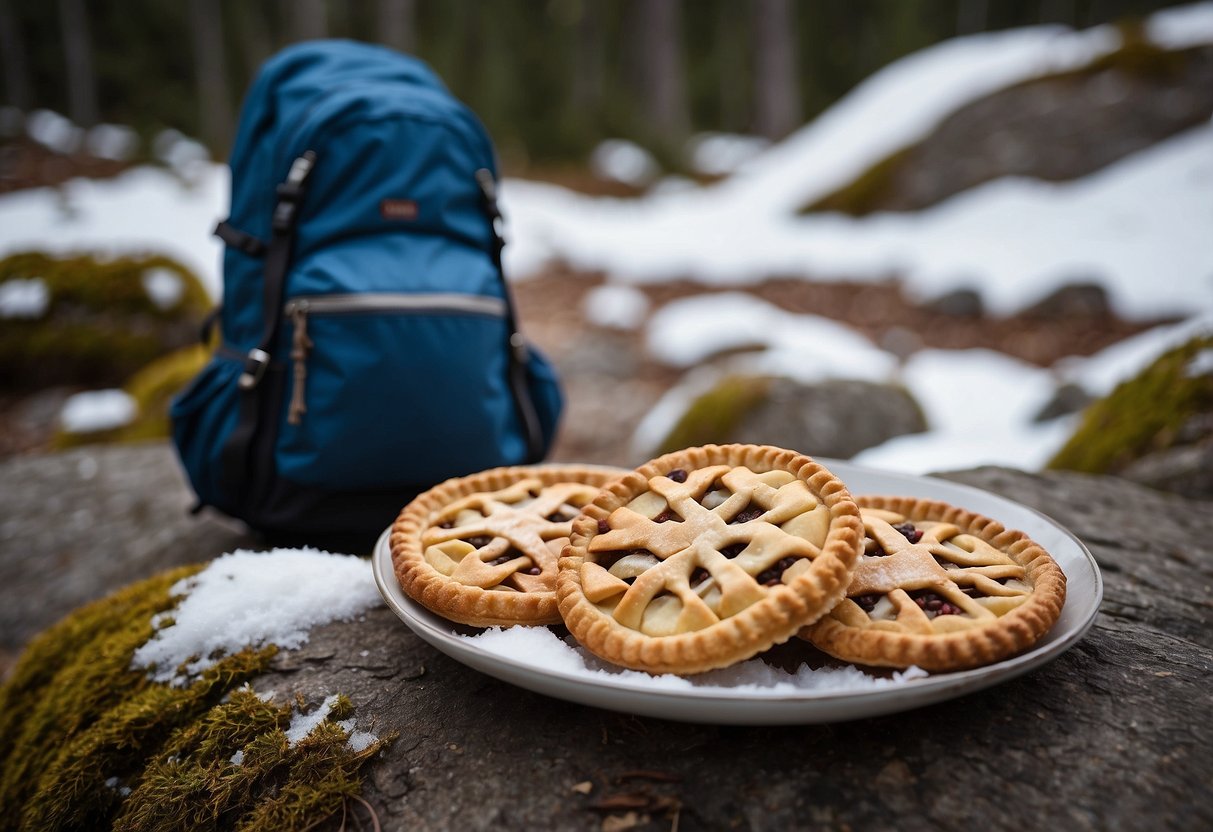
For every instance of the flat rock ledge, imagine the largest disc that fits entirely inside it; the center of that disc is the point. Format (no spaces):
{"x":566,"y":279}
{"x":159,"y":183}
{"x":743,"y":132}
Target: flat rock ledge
{"x":1113,"y":735}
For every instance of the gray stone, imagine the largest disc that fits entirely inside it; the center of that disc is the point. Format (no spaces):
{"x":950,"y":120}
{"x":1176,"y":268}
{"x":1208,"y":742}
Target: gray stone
{"x":1074,"y":300}
{"x":831,"y":418}
{"x":1113,"y":734}
{"x":1068,"y":398}
{"x":77,"y":525}
{"x":1184,"y":469}
{"x":959,"y":303}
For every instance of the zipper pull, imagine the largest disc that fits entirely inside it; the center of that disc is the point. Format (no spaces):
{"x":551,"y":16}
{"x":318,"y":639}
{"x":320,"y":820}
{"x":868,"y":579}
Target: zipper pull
{"x":300,"y":345}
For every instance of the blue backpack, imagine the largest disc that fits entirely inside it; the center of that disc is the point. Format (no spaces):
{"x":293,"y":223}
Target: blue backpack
{"x":369,"y":346}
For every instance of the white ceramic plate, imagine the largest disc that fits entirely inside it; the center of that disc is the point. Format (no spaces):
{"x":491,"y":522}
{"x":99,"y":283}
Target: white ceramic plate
{"x":637,"y":694}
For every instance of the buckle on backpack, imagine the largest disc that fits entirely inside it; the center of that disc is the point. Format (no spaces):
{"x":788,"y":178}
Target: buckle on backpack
{"x":255,"y":364}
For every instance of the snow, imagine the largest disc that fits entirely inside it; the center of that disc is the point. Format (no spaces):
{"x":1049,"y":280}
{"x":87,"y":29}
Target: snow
{"x":685,"y":332}
{"x":622,"y":161}
{"x":539,"y":645}
{"x":1015,"y":239}
{"x":249,"y":599}
{"x":303,"y":724}
{"x":97,"y":410}
{"x":53,"y":131}
{"x":719,"y":154}
{"x":164,"y":287}
{"x":979,"y":406}
{"x":238,"y":758}
{"x":24,"y":298}
{"x":112,"y":141}
{"x":615,"y":307}
{"x":143,"y":209}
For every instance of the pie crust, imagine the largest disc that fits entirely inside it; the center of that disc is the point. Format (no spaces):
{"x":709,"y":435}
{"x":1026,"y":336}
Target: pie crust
{"x":707,"y":556}
{"x":483,"y":549}
{"x":969,"y":592}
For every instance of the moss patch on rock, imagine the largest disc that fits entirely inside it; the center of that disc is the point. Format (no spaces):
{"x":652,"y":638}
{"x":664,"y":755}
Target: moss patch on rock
{"x":101,"y":321}
{"x":1141,"y":416}
{"x":88,"y":742}
{"x":713,"y":415}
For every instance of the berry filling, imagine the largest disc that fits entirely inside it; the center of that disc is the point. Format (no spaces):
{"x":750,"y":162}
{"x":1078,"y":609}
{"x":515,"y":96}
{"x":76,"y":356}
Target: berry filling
{"x":678,"y":475}
{"x":732,"y":551}
{"x":666,"y":516}
{"x":559,"y":517}
{"x":603,"y":527}
{"x":909,"y":532}
{"x":929,"y":603}
{"x":773,"y":575}
{"x":750,"y":512}
{"x":867,"y":603}
{"x":873,"y":549}
{"x":699,"y":575}
{"x":480,"y":541}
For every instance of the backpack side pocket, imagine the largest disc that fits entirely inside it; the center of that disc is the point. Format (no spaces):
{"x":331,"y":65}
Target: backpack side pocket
{"x":203,"y":415}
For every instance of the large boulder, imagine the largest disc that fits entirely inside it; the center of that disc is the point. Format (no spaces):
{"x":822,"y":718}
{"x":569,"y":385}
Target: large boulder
{"x":89,"y":321}
{"x":1056,"y":127}
{"x":1089,"y":738}
{"x":833,"y":418}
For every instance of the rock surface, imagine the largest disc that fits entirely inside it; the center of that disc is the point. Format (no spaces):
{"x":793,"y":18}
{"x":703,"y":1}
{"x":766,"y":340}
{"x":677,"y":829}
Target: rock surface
{"x":837,"y":418}
{"x":1114,"y":734}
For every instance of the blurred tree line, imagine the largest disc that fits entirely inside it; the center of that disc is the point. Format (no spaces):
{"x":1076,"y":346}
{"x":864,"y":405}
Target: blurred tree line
{"x":550,"y":78}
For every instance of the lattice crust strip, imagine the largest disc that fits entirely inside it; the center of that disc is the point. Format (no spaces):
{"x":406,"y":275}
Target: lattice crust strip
{"x":484,"y":549}
{"x":941,"y":588}
{"x":707,"y":556}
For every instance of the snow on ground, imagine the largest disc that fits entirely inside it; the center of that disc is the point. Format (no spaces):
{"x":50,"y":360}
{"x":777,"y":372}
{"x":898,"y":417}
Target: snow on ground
{"x":97,"y":410}
{"x":224,"y":607}
{"x":1140,"y":227}
{"x":980,"y":405}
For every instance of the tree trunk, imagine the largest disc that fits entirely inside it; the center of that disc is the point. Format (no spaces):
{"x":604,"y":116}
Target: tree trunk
{"x":588,"y":76}
{"x":777,"y":109}
{"x":306,"y":19}
{"x":214,"y":105}
{"x":81,"y":72}
{"x":397,"y":24}
{"x":665,"y":98}
{"x":13,"y":60}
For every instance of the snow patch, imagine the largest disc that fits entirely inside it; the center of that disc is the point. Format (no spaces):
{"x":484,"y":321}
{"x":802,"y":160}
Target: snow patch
{"x":97,"y":410}
{"x":619,"y":160}
{"x":250,"y":599}
{"x":112,"y":141}
{"x":615,"y":307}
{"x":719,"y":154}
{"x":54,"y":132}
{"x":24,"y":298}
{"x":164,"y":287}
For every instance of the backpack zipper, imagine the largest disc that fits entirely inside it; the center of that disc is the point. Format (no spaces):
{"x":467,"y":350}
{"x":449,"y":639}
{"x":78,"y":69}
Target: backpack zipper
{"x":298,"y":310}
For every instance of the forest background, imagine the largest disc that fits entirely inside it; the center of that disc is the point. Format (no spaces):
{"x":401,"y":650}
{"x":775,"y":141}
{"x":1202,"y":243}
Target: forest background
{"x":550,"y":78}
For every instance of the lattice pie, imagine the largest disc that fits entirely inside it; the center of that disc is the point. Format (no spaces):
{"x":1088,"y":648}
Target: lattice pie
{"x":941,"y":588}
{"x":483,"y":549}
{"x":706,"y":556}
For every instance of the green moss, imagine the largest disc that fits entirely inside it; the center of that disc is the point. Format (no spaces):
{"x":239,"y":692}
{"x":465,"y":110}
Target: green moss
{"x":100,"y":324}
{"x":79,"y":727}
{"x":867,"y":192}
{"x":713,"y":416}
{"x":1141,"y":415}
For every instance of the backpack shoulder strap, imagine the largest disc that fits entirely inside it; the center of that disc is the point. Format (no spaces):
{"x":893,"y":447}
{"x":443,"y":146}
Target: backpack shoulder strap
{"x":235,"y":454}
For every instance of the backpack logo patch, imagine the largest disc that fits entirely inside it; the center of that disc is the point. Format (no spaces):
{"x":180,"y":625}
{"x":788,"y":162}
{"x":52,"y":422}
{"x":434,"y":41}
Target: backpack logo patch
{"x":398,"y":209}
